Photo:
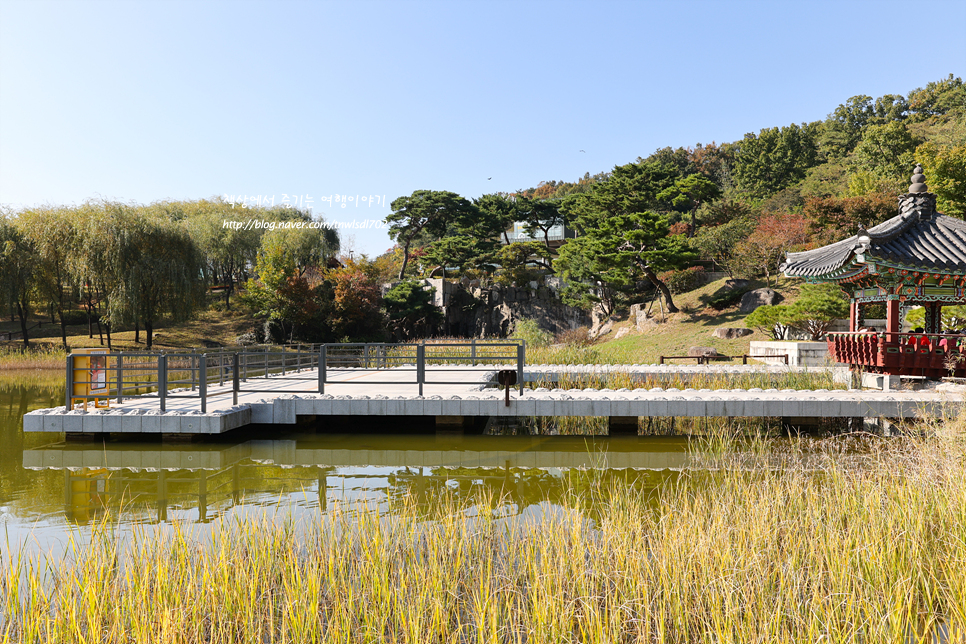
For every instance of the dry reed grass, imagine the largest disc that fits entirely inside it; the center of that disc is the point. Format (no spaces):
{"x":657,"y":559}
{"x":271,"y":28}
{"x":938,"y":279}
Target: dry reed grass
{"x":40,"y":357}
{"x":816,"y":549}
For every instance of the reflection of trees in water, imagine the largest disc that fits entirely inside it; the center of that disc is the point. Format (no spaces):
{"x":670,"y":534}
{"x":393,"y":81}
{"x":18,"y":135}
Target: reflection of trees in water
{"x":20,"y":393}
{"x":151,"y":496}
{"x":434,"y":492}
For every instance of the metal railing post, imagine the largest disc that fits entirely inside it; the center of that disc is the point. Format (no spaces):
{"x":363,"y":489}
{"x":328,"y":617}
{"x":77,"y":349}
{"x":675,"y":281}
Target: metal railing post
{"x":420,"y":366}
{"x":191,"y":368}
{"x":120,"y":378}
{"x":162,"y":378}
{"x":234,"y":379}
{"x":70,"y":383}
{"x":473,"y":351}
{"x":521,"y":356}
{"x":245,"y":366}
{"x":203,"y":381}
{"x":322,"y":368}
{"x":221,"y":368}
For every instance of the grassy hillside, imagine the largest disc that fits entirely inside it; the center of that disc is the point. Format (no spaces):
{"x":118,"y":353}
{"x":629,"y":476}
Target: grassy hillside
{"x":692,"y":326}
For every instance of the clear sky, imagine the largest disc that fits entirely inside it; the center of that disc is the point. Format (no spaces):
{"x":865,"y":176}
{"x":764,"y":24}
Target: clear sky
{"x":144,"y":101}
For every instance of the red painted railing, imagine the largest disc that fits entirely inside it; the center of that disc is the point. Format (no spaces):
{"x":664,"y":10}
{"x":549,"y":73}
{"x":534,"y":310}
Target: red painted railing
{"x":926,"y":354}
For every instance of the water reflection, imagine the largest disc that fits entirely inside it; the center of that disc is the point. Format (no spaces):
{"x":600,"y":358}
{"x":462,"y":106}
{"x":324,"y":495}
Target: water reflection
{"x":147,"y":482}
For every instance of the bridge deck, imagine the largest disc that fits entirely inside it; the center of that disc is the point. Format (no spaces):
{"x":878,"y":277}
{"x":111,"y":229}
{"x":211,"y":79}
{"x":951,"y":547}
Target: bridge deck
{"x":392,"y":392}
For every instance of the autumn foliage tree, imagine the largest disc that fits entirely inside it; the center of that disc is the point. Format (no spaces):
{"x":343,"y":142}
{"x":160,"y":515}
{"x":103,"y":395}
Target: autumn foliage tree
{"x":833,"y":218}
{"x":775,"y":234}
{"x":356,"y":301}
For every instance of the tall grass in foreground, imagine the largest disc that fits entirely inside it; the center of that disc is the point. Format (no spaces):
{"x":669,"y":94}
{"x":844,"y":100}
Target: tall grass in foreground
{"x":867,"y":549}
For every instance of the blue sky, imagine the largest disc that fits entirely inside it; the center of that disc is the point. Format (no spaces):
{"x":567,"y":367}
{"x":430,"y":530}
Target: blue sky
{"x":144,"y":101}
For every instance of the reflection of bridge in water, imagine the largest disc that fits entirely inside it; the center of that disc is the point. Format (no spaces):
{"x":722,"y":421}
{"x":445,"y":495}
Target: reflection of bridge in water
{"x":212,"y":478}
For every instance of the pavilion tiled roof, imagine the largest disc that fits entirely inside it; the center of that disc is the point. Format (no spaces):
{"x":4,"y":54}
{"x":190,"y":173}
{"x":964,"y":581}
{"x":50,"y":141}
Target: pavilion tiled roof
{"x":917,"y":237}
{"x":938,"y":242}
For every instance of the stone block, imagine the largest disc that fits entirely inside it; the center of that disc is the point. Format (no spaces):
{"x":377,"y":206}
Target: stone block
{"x":263,"y":413}
{"x":582,"y":408}
{"x":359,"y":406}
{"x":621,"y":407}
{"x":735,"y":408}
{"x":48,"y":422}
{"x":171,"y":423}
{"x":151,"y":423}
{"x":432,"y":406}
{"x":191,"y":423}
{"x":544,"y":407}
{"x":714,"y":407}
{"x":395,"y":407}
{"x":313,"y":407}
{"x":791,"y":408}
{"x":74,"y":422}
{"x":377,"y":407}
{"x":469,"y":407}
{"x":284,"y":411}
{"x":413,"y":407}
{"x":524,"y":406}
{"x":656,"y":407}
{"x":341,"y":406}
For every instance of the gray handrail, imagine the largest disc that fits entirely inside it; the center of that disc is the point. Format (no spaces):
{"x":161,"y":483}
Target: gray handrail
{"x":128,"y":369}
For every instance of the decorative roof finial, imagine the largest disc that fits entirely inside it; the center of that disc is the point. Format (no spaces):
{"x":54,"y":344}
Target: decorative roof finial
{"x":918,"y":181}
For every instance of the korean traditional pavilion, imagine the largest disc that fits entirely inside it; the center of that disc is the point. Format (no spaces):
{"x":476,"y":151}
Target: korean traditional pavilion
{"x":917,"y":258}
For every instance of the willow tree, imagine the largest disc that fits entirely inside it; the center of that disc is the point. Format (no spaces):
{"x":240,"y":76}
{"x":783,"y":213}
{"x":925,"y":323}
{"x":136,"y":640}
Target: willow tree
{"x":157,"y":268}
{"x":16,"y":271}
{"x":51,"y":234}
{"x":228,"y":249}
{"x":309,"y":247}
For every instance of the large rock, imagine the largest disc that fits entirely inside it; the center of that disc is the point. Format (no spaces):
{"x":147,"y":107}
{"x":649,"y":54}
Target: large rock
{"x":731,"y":334}
{"x":703,"y":352}
{"x":759,"y":297}
{"x":621,"y":332}
{"x":602,"y":331}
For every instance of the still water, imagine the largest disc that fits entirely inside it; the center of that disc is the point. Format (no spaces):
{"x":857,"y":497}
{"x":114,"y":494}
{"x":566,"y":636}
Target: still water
{"x":49,"y":487}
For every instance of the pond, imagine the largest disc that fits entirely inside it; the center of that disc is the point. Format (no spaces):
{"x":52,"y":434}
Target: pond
{"x":49,"y":485}
{"x":431,"y":537}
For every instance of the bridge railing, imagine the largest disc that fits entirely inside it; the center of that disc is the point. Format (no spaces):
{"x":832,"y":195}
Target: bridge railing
{"x":203,"y":375}
{"x":928,"y":354}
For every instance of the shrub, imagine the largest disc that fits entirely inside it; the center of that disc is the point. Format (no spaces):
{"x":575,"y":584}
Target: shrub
{"x":817,"y":307}
{"x":684,"y":280}
{"x":721,"y":301}
{"x":531,"y":333}
{"x":769,"y":320}
{"x":579,"y":337}
{"x":77,"y":317}
{"x":411,"y":309}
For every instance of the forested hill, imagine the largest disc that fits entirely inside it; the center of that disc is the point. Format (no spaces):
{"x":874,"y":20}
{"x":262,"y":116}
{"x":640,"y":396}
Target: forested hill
{"x":866,"y":146}
{"x":745,"y":204}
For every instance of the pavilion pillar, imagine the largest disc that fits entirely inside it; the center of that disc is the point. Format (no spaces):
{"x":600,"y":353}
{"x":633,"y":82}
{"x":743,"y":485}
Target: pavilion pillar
{"x":893,"y":320}
{"x":933,"y":317}
{"x":853,"y":316}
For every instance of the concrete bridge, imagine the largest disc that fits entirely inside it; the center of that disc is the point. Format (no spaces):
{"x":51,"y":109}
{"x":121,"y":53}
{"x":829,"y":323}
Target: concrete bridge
{"x":286,"y":398}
